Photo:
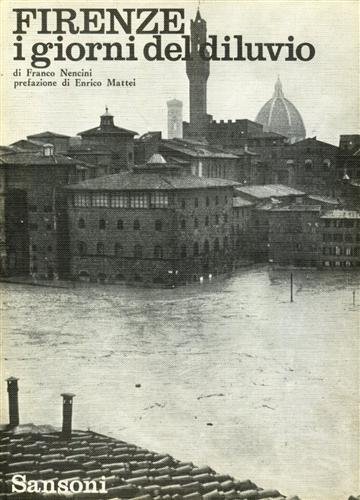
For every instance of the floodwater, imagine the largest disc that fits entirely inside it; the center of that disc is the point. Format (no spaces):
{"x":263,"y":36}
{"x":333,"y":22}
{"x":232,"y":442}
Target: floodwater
{"x":229,"y":374}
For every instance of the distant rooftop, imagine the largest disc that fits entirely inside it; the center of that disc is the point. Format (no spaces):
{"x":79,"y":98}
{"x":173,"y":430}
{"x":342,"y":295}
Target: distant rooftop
{"x":196,"y":150}
{"x":135,"y":181}
{"x":130,"y":471}
{"x":341,"y":214}
{"x":297,"y":208}
{"x":47,"y":134}
{"x":239,"y":202}
{"x":30,"y":158}
{"x":269,"y":191}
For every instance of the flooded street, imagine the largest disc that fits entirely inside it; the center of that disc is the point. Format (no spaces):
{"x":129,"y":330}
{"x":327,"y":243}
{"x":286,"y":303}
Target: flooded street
{"x":229,"y":374}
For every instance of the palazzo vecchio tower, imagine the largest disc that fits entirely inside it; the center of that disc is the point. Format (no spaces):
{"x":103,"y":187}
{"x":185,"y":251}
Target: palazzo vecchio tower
{"x":198,"y":70}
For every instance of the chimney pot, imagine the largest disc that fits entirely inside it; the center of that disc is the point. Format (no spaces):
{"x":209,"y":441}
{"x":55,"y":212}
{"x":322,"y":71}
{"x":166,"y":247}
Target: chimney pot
{"x":67,"y":414}
{"x":12,"y":388}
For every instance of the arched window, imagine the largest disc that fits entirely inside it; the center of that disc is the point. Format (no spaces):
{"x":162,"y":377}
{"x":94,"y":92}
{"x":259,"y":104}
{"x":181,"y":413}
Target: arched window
{"x":158,"y":252}
{"x":82,"y":248}
{"x":136,"y":225}
{"x":326,"y":163}
{"x":308,"y":163}
{"x":206,"y":247}
{"x":196,"y":223}
{"x":102,"y":224}
{"x":118,"y":250}
{"x":158,"y":225}
{"x":183,"y":224}
{"x":207,"y":220}
{"x":81,"y":223}
{"x":138,"y":251}
{"x":183,"y":251}
{"x":196,"y":249}
{"x":120,"y":224}
{"x":216,"y":245}
{"x":100,"y":248}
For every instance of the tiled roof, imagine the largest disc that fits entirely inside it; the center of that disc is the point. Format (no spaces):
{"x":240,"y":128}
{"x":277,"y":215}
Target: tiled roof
{"x":195,"y":150}
{"x":48,"y":134}
{"x":324,"y":199}
{"x":35,"y":158}
{"x":108,"y":129}
{"x":130,"y":471}
{"x":297,"y":208}
{"x":341,"y":214}
{"x":269,"y":191}
{"x":149,"y":181}
{"x":239,"y":202}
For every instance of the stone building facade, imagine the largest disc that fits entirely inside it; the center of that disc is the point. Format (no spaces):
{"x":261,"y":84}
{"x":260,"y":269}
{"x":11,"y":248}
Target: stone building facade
{"x":340,"y":238}
{"x":152,"y":225}
{"x":34,"y":216}
{"x":294,"y":235}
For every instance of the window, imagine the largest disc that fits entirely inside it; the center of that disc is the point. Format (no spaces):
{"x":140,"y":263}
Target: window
{"x":120,"y":224}
{"x":136,"y":225}
{"x":119,"y":200}
{"x":183,"y":224}
{"x":48,"y":208}
{"x":182,"y":203}
{"x":82,"y":249}
{"x":100,"y":248}
{"x":225,"y":217}
{"x":49,"y":248}
{"x":226,"y":242}
{"x":82,"y":200}
{"x":207,"y":220}
{"x":216,"y":200}
{"x":158,"y":225}
{"x":118,"y":250}
{"x":183,"y":251}
{"x":49,"y":227}
{"x":348,"y":238}
{"x":207,"y":201}
{"x":139,"y":200}
{"x":196,"y":202}
{"x":206,"y":247}
{"x":159,"y":200}
{"x":216,"y":219}
{"x":158,"y":252}
{"x":348,"y":251}
{"x":102,"y":224}
{"x":34,"y":248}
{"x":196,"y":249}
{"x":216,"y":245}
{"x":100,"y":200}
{"x":81,"y":223}
{"x":138,"y":251}
{"x":226,"y":199}
{"x":308,"y":164}
{"x":326,"y":164}
{"x":130,"y":155}
{"x":196,"y":223}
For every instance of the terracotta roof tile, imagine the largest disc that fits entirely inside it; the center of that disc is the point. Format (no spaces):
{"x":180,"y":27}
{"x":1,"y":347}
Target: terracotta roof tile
{"x":130,"y":472}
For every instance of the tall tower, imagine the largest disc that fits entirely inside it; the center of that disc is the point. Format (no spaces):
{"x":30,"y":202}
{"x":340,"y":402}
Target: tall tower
{"x":198,"y":70}
{"x":175,"y":127}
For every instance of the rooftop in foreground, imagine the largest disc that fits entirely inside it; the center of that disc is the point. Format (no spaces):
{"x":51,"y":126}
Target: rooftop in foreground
{"x":130,"y":471}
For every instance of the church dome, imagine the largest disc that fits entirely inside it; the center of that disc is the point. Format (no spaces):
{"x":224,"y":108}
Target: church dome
{"x":281,"y":116}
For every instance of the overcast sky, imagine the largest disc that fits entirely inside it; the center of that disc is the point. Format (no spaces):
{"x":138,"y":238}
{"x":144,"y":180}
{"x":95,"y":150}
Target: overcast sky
{"x":324,"y":90}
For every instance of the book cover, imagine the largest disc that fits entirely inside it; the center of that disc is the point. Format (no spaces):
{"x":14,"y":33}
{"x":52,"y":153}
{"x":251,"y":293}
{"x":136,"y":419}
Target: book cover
{"x":180,"y":249}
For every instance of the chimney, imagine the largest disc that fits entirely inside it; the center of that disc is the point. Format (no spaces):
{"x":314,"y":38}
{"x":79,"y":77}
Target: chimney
{"x":67,"y":415}
{"x":12,"y":388}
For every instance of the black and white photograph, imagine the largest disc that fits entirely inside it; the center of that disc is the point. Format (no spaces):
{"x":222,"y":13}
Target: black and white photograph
{"x":179,"y":250}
